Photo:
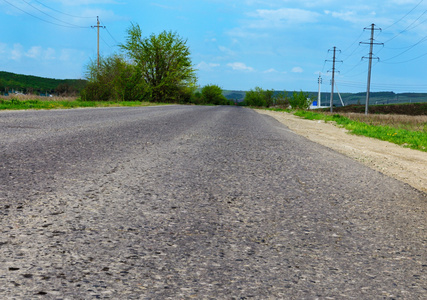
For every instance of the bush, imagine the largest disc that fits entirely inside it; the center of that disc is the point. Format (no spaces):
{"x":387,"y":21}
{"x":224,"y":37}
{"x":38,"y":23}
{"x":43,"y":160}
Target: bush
{"x":212,"y":94}
{"x":259,"y":97}
{"x":300,"y":100}
{"x":281,"y":99}
{"x":114,"y":79}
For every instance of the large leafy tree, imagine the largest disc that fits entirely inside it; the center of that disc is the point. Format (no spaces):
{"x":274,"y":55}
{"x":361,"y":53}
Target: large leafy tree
{"x":164,"y":63}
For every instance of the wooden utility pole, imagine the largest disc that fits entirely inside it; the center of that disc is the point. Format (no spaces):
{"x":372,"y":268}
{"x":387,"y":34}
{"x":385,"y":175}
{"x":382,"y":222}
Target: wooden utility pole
{"x":98,"y":26}
{"x":370,"y":57}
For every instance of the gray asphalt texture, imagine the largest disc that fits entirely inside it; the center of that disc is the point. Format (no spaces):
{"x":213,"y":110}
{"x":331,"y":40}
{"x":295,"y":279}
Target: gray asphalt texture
{"x":185,"y":202}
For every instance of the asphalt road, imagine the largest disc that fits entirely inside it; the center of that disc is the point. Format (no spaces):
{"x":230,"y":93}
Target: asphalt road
{"x":185,"y":202}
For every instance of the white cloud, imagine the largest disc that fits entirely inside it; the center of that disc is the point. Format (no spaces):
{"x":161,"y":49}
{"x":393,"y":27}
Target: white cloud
{"x":17,"y":52}
{"x":87,"y":2}
{"x":3,"y":48}
{"x":297,"y":70}
{"x":65,"y":55}
{"x":246,"y":33}
{"x":37,"y":52}
{"x":280,"y":17}
{"x":238,"y":66}
{"x":204,"y":66}
{"x":400,"y":2}
{"x":34,"y":52}
{"x":227,"y":51}
{"x":270,"y":71}
{"x":362,"y":16}
{"x":167,"y":7}
{"x":49,"y":54}
{"x":349,"y":16}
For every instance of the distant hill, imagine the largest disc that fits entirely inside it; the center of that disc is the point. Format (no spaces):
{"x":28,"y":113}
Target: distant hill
{"x":349,"y":98}
{"x":234,"y":95}
{"x":374,"y":98}
{"x":27,"y":84}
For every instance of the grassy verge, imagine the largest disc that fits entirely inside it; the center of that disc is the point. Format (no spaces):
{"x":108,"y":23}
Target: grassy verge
{"x":411,"y":137}
{"x":16,"y":104}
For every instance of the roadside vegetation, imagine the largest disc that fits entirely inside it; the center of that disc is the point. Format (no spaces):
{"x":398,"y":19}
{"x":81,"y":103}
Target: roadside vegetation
{"x":408,"y":131}
{"x":156,"y":69}
{"x":259,"y":97}
{"x":21,"y":102}
{"x":410,"y":109}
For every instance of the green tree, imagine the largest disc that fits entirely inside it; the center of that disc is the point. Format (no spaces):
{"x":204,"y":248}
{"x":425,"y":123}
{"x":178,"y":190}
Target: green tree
{"x":269,"y":97}
{"x":300,"y":100}
{"x":255,"y":97}
{"x":212,"y":94}
{"x":114,"y":79}
{"x":281,"y":99}
{"x":164,"y":63}
{"x":259,"y":97}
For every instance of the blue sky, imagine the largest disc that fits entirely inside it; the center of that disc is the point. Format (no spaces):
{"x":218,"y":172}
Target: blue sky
{"x":239,"y":44}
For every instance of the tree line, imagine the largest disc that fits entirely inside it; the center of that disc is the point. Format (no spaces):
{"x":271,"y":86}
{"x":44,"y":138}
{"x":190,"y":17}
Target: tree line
{"x":157,"y":68}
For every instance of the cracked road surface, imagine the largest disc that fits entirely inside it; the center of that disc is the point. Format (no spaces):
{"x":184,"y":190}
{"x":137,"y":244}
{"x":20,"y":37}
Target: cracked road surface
{"x":182,"y":202}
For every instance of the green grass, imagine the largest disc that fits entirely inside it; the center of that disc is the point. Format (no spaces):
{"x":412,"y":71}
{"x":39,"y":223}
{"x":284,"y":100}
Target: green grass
{"x":15,"y":104}
{"x":408,"y":138}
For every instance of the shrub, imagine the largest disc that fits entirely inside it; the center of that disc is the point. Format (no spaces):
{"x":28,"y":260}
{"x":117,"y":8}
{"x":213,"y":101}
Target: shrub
{"x":281,"y":99}
{"x":300,"y":100}
{"x":212,"y":94}
{"x":259,"y":97}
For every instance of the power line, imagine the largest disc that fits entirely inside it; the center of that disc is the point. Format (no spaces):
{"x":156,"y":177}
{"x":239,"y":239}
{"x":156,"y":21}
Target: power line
{"x":355,"y":41}
{"x":73,"y":25}
{"x":406,"y":61}
{"x":108,"y":45}
{"x":109,"y":33}
{"x":408,"y":27}
{"x":39,"y":17}
{"x":355,"y":66}
{"x":382,"y":86}
{"x":352,"y":53}
{"x":409,"y":48}
{"x":62,"y":12}
{"x":325,"y":60}
{"x":404,"y":15}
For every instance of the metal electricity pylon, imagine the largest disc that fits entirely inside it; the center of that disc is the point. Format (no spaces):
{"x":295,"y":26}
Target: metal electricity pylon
{"x":333,"y":74}
{"x":370,"y":57}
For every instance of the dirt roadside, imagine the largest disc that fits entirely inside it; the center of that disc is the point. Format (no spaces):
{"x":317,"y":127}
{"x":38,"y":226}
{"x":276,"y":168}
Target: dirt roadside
{"x":407,"y":165}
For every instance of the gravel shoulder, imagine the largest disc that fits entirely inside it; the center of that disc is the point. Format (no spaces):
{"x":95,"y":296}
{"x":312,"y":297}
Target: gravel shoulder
{"x":404,"y":164}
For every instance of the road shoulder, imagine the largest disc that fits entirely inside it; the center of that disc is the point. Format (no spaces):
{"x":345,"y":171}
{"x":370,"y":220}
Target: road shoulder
{"x":404,"y":164}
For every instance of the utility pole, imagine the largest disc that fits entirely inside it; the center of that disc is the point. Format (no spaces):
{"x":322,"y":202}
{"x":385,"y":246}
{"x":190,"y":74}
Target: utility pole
{"x":370,"y":57}
{"x":318,"y":95}
{"x":98,"y":26}
{"x":333,"y":74}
